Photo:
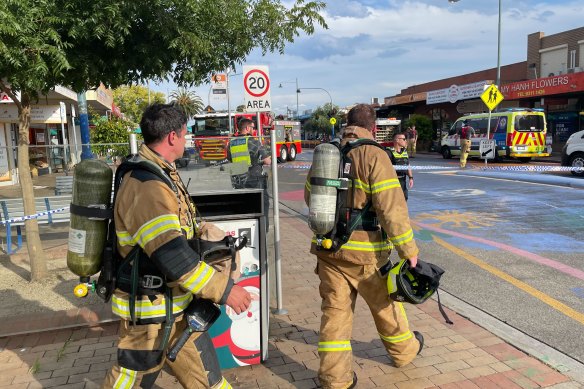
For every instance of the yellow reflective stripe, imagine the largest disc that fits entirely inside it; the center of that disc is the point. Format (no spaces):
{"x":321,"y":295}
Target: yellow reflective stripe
{"x":366,"y":246}
{"x":403,"y":311}
{"x":385,"y":185}
{"x":307,"y":185}
{"x":199,"y":279}
{"x":189,"y":231}
{"x":149,"y":231}
{"x":397,"y":338}
{"x":126,"y":380}
{"x":403,"y":238}
{"x":358,"y":184}
{"x":145,"y":309}
{"x":341,"y":345}
{"x":223,"y":384}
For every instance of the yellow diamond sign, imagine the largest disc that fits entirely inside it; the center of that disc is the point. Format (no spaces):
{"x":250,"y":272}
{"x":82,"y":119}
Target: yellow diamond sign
{"x":492,"y":97}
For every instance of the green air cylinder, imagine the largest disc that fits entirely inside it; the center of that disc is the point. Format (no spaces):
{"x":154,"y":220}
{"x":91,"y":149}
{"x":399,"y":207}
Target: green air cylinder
{"x":92,"y":187}
{"x":323,"y":198}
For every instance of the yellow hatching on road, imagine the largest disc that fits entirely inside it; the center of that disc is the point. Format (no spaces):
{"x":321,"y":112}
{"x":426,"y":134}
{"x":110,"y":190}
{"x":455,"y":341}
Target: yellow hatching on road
{"x":564,"y":309}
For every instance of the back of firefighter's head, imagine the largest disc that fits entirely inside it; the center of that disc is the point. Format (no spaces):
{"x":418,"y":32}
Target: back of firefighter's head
{"x":362,"y":115}
{"x":245,"y":126}
{"x":160,"y":120}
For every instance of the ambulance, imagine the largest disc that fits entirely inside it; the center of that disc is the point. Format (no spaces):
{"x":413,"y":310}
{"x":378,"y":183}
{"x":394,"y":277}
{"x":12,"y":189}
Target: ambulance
{"x":519,"y":133}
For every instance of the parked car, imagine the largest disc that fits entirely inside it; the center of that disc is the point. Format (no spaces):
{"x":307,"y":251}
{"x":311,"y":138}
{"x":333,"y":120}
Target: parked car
{"x":573,"y":153}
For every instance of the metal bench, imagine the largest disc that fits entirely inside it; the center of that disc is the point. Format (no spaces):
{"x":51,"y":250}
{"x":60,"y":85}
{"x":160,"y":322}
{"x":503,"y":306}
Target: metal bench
{"x":14,"y":209}
{"x":63,"y":185}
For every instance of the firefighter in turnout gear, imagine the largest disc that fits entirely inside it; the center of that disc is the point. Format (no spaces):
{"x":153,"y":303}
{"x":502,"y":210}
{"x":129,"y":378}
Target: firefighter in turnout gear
{"x":399,"y":157}
{"x":354,"y":268}
{"x":153,"y":223}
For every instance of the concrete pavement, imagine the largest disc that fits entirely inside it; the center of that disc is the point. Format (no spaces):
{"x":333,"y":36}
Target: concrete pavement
{"x":75,"y":349}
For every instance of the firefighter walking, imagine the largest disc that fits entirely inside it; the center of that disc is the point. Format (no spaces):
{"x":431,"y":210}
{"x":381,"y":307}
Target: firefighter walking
{"x":354,"y":269}
{"x":466,"y":133}
{"x":163,"y":275}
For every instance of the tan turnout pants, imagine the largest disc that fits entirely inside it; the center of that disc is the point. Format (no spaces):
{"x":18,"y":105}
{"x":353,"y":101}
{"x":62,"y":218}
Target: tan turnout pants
{"x":196,"y":365}
{"x":464,"y":150}
{"x":339,"y":286}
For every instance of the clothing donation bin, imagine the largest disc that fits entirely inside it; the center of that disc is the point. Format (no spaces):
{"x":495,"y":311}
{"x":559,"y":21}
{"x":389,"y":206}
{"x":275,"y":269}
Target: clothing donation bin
{"x":242,"y":339}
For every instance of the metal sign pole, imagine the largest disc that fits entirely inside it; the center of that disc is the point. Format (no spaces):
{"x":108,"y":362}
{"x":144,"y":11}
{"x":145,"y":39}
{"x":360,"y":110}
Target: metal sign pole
{"x":488,"y":132}
{"x":278,"y":264}
{"x":63,"y":113}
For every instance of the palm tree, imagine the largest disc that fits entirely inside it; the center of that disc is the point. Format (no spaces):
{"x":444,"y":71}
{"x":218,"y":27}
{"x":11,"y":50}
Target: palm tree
{"x":190,"y":103}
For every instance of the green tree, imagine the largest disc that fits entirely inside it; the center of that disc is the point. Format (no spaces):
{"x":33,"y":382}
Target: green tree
{"x":319,"y":121}
{"x":107,"y":136}
{"x":76,"y":43}
{"x":423,"y":126}
{"x":133,"y":99}
{"x":240,"y":108}
{"x":188,"y":101}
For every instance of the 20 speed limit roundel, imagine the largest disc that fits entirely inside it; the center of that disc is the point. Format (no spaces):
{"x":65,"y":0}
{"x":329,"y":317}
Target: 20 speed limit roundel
{"x":256,"y":83}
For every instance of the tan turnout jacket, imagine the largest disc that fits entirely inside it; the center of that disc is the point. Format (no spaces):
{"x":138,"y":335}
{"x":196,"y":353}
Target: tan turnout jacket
{"x":375,"y":180}
{"x":148,"y":213}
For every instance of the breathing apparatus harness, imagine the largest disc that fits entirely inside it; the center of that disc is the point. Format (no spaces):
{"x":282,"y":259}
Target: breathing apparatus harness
{"x":347,"y":219}
{"x":137,"y":275}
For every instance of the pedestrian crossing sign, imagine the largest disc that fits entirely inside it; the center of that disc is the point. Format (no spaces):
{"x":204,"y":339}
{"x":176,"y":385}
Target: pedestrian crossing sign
{"x":492,"y":97}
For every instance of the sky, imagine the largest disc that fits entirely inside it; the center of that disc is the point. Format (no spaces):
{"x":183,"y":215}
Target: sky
{"x":375,"y":48}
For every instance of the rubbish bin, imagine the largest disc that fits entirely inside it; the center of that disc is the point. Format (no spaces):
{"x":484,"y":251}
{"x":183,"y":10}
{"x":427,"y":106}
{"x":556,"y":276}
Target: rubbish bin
{"x":242,"y":339}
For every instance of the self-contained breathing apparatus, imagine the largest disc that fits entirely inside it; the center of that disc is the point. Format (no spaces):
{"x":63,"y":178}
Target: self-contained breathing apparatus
{"x":135,"y":274}
{"x":331,"y":217}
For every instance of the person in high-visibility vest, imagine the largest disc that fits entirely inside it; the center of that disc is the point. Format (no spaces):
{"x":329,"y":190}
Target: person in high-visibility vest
{"x":246,"y":149}
{"x":399,"y":156}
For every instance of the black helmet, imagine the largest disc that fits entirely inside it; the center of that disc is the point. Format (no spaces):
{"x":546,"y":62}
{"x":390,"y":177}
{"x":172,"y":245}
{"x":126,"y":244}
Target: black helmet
{"x":413,"y":285}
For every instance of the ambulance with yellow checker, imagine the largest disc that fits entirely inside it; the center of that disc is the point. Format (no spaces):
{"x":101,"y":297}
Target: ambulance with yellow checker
{"x":519,"y":133}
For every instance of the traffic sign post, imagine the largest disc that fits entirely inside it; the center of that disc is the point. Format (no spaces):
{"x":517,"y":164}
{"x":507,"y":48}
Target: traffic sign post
{"x":333,"y":121}
{"x":491,"y":97}
{"x":256,"y":85}
{"x":487,"y":149}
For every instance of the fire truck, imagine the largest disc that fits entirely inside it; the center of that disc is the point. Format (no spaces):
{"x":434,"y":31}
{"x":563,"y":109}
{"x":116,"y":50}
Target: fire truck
{"x":211,"y":134}
{"x":385,"y":130}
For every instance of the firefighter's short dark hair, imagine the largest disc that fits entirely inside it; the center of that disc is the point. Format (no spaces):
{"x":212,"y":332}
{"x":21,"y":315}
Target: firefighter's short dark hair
{"x":243,"y":123}
{"x":159,"y":120}
{"x":362,"y":115}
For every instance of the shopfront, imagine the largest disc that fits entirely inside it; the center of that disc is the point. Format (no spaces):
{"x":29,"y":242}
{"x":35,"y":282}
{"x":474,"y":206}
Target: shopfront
{"x":561,"y":96}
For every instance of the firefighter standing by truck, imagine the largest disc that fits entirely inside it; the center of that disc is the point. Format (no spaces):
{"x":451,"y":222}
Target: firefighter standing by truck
{"x":354,"y":268}
{"x":246,"y":149}
{"x":153,"y":224}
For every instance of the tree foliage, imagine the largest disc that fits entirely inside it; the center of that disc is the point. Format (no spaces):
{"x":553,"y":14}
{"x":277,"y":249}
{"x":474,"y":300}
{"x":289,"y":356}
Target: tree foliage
{"x":423,"y":126}
{"x":80,"y":43}
{"x":188,"y":101}
{"x":319,"y":122}
{"x":110,"y":137}
{"x":133,"y":99}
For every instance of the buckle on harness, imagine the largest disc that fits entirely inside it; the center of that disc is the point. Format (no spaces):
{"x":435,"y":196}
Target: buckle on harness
{"x":151,"y":282}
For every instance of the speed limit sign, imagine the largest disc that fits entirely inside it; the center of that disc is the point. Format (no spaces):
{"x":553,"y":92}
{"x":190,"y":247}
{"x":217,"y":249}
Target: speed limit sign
{"x":256,"y":84}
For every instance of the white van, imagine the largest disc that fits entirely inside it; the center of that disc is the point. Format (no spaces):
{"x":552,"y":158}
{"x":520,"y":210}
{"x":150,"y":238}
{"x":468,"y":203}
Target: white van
{"x":573,"y":153}
{"x":518,"y":133}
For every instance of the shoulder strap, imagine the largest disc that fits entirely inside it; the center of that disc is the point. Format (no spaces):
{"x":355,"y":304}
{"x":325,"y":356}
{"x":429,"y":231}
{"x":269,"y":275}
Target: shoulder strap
{"x":110,"y":265}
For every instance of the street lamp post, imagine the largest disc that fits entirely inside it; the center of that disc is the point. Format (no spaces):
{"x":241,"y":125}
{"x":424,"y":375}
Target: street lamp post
{"x":498,"y":44}
{"x":290,"y":82}
{"x":331,"y":99}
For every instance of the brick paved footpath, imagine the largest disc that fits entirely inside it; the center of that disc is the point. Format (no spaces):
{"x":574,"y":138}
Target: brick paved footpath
{"x":460,"y":356}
